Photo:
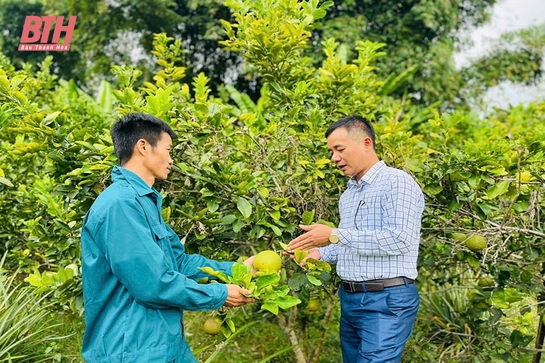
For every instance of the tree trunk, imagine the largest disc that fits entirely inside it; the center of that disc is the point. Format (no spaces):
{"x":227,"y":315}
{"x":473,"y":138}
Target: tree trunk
{"x":288,"y":327}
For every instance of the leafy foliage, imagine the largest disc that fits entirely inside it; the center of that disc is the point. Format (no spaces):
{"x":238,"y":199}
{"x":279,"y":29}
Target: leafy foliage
{"x":419,"y":35}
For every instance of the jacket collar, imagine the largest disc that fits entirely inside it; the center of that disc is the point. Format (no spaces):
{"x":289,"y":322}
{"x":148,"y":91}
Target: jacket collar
{"x":121,"y":174}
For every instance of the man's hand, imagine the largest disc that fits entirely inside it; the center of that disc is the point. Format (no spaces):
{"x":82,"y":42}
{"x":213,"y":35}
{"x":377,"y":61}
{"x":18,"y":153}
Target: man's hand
{"x":235,"y":296}
{"x":313,"y":253}
{"x":317,"y":236}
{"x":249,"y":261}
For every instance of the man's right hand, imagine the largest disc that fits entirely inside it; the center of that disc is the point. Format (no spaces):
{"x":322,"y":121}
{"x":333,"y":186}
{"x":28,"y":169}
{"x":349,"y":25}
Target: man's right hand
{"x":235,"y":296}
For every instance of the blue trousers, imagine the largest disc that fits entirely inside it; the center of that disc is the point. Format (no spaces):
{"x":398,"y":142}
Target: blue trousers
{"x":376,"y":325}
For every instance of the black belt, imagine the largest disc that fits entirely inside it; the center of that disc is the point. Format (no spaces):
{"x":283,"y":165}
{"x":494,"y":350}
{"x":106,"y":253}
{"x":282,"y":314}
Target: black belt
{"x":375,"y":285}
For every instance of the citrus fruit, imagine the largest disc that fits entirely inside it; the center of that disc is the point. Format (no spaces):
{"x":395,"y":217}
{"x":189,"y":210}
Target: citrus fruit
{"x":461,"y":237}
{"x":313,"y":305}
{"x":267,"y":261}
{"x":212,"y":326}
{"x":486,"y":281}
{"x":476,"y":242}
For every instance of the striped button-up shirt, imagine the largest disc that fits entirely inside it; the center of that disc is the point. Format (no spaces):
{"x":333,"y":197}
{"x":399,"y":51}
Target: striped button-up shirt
{"x":379,"y":229}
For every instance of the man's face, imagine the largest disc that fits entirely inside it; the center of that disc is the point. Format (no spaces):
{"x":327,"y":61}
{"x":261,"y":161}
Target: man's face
{"x":352,"y":153}
{"x":159,"y":162}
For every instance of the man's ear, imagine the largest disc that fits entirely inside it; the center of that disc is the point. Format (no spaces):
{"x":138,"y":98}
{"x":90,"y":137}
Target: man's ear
{"x":141,"y":147}
{"x":364,"y":140}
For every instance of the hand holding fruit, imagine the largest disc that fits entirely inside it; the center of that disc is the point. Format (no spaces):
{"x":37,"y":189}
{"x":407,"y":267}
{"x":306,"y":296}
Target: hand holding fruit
{"x":249,"y":261}
{"x":267,"y":262}
{"x":317,"y":235}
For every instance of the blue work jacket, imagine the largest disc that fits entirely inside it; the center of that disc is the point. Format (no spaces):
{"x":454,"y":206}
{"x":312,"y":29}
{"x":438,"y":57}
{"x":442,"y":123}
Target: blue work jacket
{"x":137,"y":278}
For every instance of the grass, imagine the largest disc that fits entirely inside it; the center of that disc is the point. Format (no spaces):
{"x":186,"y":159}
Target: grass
{"x":264,"y":341}
{"x":27,"y":328}
{"x":260,"y":338}
{"x":68,"y":349}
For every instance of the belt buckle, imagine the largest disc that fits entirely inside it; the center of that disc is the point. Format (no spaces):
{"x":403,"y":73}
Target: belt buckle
{"x":352,"y":285}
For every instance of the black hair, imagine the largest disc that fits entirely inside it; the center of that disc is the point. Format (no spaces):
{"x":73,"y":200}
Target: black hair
{"x":353,"y":123}
{"x":135,"y":126}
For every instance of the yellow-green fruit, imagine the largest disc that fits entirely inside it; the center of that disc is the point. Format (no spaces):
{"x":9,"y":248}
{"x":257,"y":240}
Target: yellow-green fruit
{"x":461,"y":237}
{"x":313,"y":305}
{"x":212,"y":326}
{"x":476,"y":242}
{"x":267,"y":261}
{"x":486,"y":281}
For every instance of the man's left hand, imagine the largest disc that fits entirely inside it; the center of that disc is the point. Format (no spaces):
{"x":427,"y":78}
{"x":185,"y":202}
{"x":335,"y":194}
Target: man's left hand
{"x":317,"y":235}
{"x":249,"y":261}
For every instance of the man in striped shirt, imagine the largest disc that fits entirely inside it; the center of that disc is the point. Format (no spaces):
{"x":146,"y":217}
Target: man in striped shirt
{"x":375,"y":247}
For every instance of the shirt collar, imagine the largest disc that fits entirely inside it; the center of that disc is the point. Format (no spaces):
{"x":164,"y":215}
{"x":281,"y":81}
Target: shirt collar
{"x":369,"y":177}
{"x":121,"y":174}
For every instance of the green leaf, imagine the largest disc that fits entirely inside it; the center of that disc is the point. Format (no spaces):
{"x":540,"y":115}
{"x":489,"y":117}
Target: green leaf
{"x":300,"y":255}
{"x":327,"y":223}
{"x":229,"y":219}
{"x":275,"y":215}
{"x":165,"y":213}
{"x":320,"y":265}
{"x":264,"y":192}
{"x":313,"y":280}
{"x":218,"y":274}
{"x":276,"y":230}
{"x":47,"y":279}
{"x":270,"y":306}
{"x":267,"y":280}
{"x":105,"y":99}
{"x":5,"y":181}
{"x":297,"y":281}
{"x":212,"y":205}
{"x":35,"y":280}
{"x":231,"y":325}
{"x":286,"y":302}
{"x":308,"y":217}
{"x":433,"y":189}
{"x":415,"y":165}
{"x":283,"y":245}
{"x":497,"y":189}
{"x":244,"y":207}
{"x":158,"y":104}
{"x":239,"y":270}
{"x":237,"y":226}
{"x":395,"y":81}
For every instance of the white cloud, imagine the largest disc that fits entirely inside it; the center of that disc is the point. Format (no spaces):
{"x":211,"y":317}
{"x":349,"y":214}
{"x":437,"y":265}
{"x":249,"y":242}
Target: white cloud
{"x":506,"y":16}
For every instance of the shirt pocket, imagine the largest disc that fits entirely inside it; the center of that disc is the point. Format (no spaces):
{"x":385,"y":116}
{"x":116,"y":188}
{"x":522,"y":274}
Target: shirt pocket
{"x":160,"y":232}
{"x":368,"y":213}
{"x":162,"y":238}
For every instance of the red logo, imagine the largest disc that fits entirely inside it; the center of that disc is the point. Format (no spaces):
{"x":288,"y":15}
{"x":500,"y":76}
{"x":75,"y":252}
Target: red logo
{"x":36,"y":33}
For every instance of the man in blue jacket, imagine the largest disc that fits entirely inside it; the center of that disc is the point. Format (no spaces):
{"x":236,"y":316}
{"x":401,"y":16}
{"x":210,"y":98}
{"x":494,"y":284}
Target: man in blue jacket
{"x":137,"y":278}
